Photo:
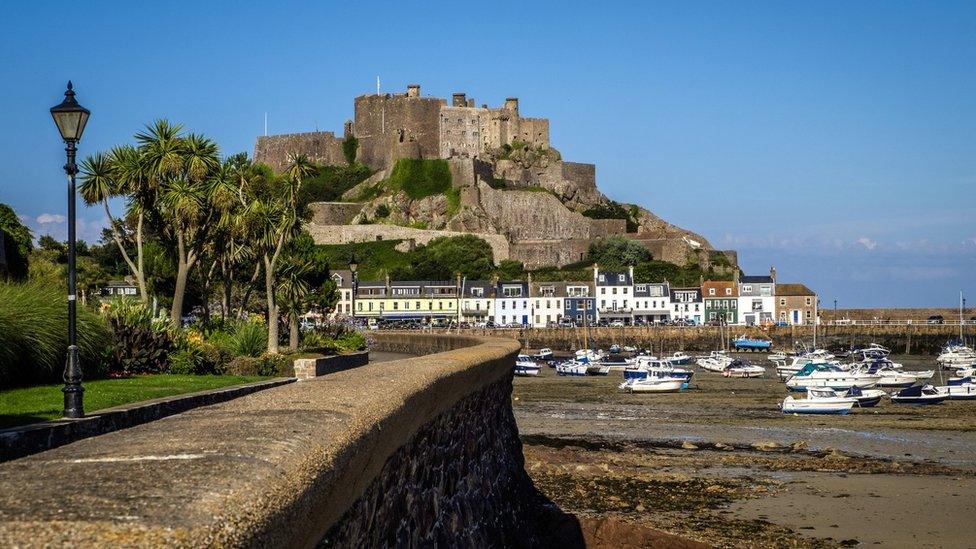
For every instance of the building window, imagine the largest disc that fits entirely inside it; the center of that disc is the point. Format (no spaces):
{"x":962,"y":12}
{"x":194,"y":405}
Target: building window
{"x":477,"y":292}
{"x":711,"y":291}
{"x":747,"y":289}
{"x":809,"y":302}
{"x":782,"y":302}
{"x":613,"y":290}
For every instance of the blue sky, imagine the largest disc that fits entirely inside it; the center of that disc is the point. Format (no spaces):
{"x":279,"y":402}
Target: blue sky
{"x":835,"y":140}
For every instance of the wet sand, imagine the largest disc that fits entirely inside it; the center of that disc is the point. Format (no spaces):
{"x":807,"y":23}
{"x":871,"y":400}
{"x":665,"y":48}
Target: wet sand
{"x":879,"y":475}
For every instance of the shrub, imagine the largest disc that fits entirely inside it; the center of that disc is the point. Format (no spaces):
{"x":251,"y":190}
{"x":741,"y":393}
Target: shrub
{"x":349,"y":148}
{"x":276,"y":365}
{"x":420,"y":178}
{"x":249,"y":339}
{"x":332,"y":339}
{"x":140,"y":344}
{"x":382,"y":211}
{"x":33,"y":335}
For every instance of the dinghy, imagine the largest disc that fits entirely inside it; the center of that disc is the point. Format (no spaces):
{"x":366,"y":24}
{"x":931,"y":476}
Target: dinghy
{"x":525,"y":366}
{"x":818,"y":401}
{"x":919,"y":394}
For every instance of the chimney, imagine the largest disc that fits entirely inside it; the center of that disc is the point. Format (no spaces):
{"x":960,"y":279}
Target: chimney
{"x":471,"y":102}
{"x":511,"y":104}
{"x":413,"y":90}
{"x":387,"y":283}
{"x":596,"y":272}
{"x":630,"y":271}
{"x":458,"y":100}
{"x":772,"y":274}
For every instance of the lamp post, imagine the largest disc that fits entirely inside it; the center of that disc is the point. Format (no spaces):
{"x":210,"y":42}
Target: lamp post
{"x":70,"y":118}
{"x":353,"y":267}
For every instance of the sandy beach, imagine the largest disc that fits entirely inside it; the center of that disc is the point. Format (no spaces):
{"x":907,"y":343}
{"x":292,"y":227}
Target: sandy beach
{"x":720,"y":464}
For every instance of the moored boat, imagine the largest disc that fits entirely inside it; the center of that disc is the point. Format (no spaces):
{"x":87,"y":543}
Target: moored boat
{"x":571,"y":368}
{"x":544,"y":353}
{"x":866,"y":398}
{"x":965,"y":391}
{"x":816,"y":375}
{"x":751,"y":344}
{"x":653,"y":384}
{"x":740,"y":368}
{"x":525,"y":366}
{"x":919,"y":394}
{"x":680,"y":358}
{"x":818,"y":401}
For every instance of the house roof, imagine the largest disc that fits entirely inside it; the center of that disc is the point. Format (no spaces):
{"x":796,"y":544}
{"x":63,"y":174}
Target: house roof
{"x":755,"y":279}
{"x":720,"y":287}
{"x":793,"y":289}
{"x":646,"y":292}
{"x":344,"y":276}
{"x":486,"y":287}
{"x":613,"y":279}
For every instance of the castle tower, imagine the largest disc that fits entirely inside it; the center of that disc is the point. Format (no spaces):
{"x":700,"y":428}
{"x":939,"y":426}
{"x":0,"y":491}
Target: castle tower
{"x":511,"y":104}
{"x":458,"y":100}
{"x":413,"y":90}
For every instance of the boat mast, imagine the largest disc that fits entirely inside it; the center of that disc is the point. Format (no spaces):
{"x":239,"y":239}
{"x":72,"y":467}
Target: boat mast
{"x":961,"y":342}
{"x":815,"y":299}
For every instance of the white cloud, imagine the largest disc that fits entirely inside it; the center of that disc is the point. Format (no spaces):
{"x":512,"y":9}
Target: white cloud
{"x":867,"y":243}
{"x":45,"y":218}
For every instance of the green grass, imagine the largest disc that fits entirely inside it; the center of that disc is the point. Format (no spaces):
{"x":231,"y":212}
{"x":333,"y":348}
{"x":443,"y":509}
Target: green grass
{"x":420,"y":178}
{"x":375,"y":258}
{"x":44,"y":402}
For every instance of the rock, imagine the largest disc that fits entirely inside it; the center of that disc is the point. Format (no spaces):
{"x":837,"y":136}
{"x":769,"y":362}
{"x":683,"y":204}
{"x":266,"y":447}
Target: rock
{"x":766,"y":446}
{"x":723,"y":446}
{"x":798,"y":446}
{"x":688,"y":446}
{"x":834,"y":453}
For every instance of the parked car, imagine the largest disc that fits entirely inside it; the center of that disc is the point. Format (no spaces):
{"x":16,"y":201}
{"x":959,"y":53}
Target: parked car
{"x":617,"y":324}
{"x":936,"y":319}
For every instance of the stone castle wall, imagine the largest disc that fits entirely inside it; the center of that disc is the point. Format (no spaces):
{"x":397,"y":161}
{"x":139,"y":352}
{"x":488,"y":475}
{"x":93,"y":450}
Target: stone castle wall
{"x":384,"y":120}
{"x":320,"y":147}
{"x":527,"y":215}
{"x":606,"y":227}
{"x":542,"y":253}
{"x":343,"y":234}
{"x":334,"y":213}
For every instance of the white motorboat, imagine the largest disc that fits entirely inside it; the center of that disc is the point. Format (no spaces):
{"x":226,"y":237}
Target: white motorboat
{"x":919,"y":394}
{"x":653,"y":384}
{"x":645,"y":366}
{"x":614,"y":361}
{"x":572,"y":368}
{"x":680,"y":359}
{"x":965,"y":391}
{"x":818,"y":401}
{"x":866,"y":398}
{"x":714,"y":362}
{"x":597,"y":369}
{"x":777,"y":356}
{"x":784,"y":370}
{"x":891,"y":374}
{"x":815,"y":375}
{"x":525,"y":366}
{"x":739,"y":368}
{"x":544,"y":353}
{"x":955,"y":357}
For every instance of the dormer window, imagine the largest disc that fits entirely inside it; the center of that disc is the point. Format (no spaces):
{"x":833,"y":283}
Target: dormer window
{"x":728,"y":291}
{"x":711,"y":291}
{"x":603,"y":278}
{"x":620,"y":278}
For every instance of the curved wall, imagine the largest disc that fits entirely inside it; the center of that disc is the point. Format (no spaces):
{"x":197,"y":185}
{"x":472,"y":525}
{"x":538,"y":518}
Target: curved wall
{"x":371,"y":456}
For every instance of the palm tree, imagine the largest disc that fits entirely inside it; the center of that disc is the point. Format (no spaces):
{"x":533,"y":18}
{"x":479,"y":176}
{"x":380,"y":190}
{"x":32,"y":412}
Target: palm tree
{"x":119,"y":174}
{"x":293,"y":295}
{"x":278,"y":217}
{"x":181,"y":167}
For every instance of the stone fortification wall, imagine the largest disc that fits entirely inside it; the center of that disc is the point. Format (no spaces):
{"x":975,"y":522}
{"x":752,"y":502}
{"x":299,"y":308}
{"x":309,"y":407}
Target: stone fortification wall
{"x":320,"y":147}
{"x":528,"y":215}
{"x":606,"y":227}
{"x":342,"y":234}
{"x":384,"y":120}
{"x":542,"y":253}
{"x":401,"y":453}
{"x":334,"y":213}
{"x":462,"y":132}
{"x":672,"y":250}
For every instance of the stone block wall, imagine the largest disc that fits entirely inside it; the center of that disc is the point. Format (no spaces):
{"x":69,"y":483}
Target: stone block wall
{"x":541,"y":253}
{"x":320,"y":147}
{"x":342,"y":234}
{"x":606,"y":227}
{"x":528,"y":215}
{"x":310,"y":368}
{"x":459,"y":482}
{"x":334,"y":213}
{"x":384,"y":120}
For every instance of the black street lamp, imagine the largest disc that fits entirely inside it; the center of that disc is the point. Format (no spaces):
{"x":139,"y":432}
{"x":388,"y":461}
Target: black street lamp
{"x":353,"y":267}
{"x":70,"y":117}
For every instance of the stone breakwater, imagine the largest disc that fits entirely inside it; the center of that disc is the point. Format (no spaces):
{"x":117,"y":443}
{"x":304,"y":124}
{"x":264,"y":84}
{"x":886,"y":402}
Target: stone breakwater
{"x":459,"y":482}
{"x":905,"y":339}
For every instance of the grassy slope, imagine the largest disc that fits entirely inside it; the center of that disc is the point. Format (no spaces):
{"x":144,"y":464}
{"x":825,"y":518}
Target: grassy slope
{"x":44,"y":402}
{"x":375,"y":258}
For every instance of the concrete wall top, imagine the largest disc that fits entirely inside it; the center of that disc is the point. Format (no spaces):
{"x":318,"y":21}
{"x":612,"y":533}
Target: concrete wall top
{"x":276,"y":468}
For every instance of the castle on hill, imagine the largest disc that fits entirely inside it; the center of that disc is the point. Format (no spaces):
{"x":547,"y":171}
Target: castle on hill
{"x":493,"y":154}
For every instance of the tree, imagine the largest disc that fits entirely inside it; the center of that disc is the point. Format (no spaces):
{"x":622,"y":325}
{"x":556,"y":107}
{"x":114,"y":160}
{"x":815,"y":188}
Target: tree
{"x":122,"y":173}
{"x":184,"y":168}
{"x":510,"y":269}
{"x":445,"y":257}
{"x":617,"y":252}
{"x":349,"y":148}
{"x":16,"y":245}
{"x":275,"y":214}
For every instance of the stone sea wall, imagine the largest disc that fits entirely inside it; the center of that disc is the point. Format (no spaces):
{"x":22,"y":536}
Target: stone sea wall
{"x":915,"y":339}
